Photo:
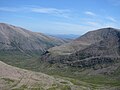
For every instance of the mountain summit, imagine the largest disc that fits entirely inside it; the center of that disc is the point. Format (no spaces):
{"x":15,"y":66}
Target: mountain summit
{"x":86,"y":40}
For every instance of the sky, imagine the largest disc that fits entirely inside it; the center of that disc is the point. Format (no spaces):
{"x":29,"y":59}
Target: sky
{"x":61,"y":16}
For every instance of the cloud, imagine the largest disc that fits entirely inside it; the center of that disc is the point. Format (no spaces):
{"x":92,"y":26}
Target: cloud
{"x":102,"y":24}
{"x":90,"y":13}
{"x":42,"y":10}
{"x":48,"y":10}
{"x":111,"y":19}
{"x":99,"y":21}
{"x":53,"y":11}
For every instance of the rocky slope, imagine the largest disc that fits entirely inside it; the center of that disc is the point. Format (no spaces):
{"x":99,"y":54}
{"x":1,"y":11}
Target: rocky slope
{"x":106,"y":47}
{"x":13,"y":78}
{"x":100,"y":47}
{"x":17,"y":38}
{"x":86,"y":40}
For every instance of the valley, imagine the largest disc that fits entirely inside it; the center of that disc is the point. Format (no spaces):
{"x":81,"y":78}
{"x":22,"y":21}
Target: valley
{"x":90,"y":62}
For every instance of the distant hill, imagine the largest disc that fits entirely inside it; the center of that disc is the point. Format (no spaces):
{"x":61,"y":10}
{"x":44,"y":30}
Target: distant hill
{"x":65,"y":36}
{"x":14,"y":38}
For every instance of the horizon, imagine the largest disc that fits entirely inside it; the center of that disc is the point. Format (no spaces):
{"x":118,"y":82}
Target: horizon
{"x":61,"y":17}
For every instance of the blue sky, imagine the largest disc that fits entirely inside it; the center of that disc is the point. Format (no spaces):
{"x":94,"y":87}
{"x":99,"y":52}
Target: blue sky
{"x":61,"y":16}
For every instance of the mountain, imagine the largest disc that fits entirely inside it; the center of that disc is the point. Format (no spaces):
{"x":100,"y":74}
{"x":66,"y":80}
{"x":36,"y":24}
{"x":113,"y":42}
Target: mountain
{"x":78,"y":44}
{"x":105,"y":49}
{"x":90,"y":62}
{"x":14,"y":38}
{"x":65,"y":36}
{"x":93,"y":58}
{"x":100,"y":47}
{"x":86,"y":40}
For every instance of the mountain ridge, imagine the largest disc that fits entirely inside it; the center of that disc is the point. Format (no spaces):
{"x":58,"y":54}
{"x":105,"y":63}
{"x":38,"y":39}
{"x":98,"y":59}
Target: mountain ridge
{"x":81,"y":42}
{"x":17,"y":38}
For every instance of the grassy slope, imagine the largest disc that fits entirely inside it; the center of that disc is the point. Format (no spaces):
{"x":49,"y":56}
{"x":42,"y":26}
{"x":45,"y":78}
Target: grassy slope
{"x":13,"y":78}
{"x":75,"y":75}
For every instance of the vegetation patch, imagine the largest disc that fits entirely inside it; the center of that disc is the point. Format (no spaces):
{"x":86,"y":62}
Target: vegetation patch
{"x":63,"y":82}
{"x":8,"y":80}
{"x":65,"y":87}
{"x":23,"y":87}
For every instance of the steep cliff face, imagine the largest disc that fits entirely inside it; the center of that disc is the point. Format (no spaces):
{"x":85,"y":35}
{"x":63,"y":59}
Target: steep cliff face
{"x":17,"y":38}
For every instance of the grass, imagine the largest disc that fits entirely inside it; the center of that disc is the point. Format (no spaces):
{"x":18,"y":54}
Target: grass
{"x":75,"y":74}
{"x":52,"y":88}
{"x":18,"y":59}
{"x":65,"y":87}
{"x":39,"y":88}
{"x":8,"y":80}
{"x":64,"y":82}
{"x":60,"y":87}
{"x":25,"y":87}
